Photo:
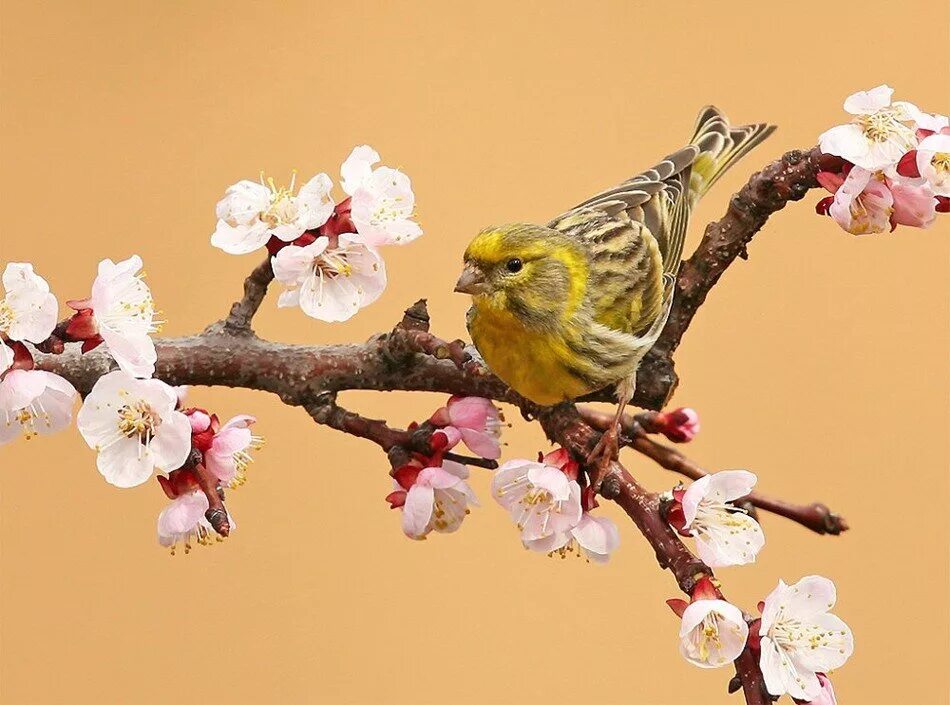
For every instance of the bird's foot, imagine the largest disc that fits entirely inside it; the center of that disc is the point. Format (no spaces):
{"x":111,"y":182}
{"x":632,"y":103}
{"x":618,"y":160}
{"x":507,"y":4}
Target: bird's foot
{"x":605,"y":452}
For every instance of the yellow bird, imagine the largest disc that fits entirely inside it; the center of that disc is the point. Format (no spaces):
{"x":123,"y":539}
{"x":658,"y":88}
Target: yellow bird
{"x":568,"y":308}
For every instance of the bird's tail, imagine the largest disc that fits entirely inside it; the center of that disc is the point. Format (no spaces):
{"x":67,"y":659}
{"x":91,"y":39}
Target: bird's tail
{"x":720,"y":146}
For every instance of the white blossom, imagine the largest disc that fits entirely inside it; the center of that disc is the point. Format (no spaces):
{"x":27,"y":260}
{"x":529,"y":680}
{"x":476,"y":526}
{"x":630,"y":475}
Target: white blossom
{"x":251,"y":213}
{"x":800,"y":638}
{"x":330,"y":283}
{"x":28,"y":311}
{"x":382,"y":199}
{"x":134,"y":427}
{"x":878,"y":136}
{"x":725,"y":535}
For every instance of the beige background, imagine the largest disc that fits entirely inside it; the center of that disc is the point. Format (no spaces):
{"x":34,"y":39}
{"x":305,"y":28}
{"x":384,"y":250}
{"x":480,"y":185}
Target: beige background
{"x":820,"y":364}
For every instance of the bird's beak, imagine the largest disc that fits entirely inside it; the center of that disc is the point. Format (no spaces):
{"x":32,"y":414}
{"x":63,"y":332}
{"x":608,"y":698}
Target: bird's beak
{"x":472,"y":281}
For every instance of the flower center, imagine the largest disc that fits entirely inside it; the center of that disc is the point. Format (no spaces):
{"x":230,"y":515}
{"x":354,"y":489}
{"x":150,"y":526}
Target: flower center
{"x":884,"y":125}
{"x":133,"y":309}
{"x":138,"y":420}
{"x":7,"y":315}
{"x":283,"y":205}
{"x":707,"y":634}
{"x":27,"y":417}
{"x":940,"y":162}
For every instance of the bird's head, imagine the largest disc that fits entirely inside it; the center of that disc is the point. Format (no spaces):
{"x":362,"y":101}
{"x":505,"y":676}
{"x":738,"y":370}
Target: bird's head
{"x":530,"y":271}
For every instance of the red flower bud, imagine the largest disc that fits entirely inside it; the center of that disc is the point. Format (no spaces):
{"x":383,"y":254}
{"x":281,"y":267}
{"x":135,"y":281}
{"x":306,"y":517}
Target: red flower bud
{"x":907,"y":166}
{"x":396,"y":499}
{"x":821,"y":208}
{"x":340,"y":222}
{"x":679,"y":425}
{"x":406,"y":475}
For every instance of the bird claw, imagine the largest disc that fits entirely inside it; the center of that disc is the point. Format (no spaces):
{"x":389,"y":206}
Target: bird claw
{"x":605,"y":452}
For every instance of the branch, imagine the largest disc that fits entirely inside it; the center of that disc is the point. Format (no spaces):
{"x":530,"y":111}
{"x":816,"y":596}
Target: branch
{"x":242,"y":312}
{"x":786,"y":179}
{"x":815,"y":516}
{"x":566,"y":426}
{"x":410,"y":358}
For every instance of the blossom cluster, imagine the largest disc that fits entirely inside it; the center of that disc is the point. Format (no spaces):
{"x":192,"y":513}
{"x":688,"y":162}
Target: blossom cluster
{"x":133,"y":422}
{"x":796,"y":640}
{"x":896,"y":167}
{"x":325,"y":254}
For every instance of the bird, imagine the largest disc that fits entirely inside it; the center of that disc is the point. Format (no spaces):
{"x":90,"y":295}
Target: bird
{"x":571,"y":307}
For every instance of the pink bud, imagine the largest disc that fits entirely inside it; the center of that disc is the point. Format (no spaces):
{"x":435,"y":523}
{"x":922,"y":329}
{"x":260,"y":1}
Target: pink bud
{"x":200,"y":420}
{"x":679,"y":425}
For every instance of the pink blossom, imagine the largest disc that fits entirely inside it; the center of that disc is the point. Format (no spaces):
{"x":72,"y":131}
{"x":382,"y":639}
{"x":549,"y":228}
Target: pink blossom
{"x":914,"y":203}
{"x":434,"y":498}
{"x":183,"y":521}
{"x":933,"y":161}
{"x":229,"y":455}
{"x":543,"y":498}
{"x":862,"y":202}
{"x":473,"y":420}
{"x":594,"y":537}
{"x":827,"y":694}
{"x":34,"y":402}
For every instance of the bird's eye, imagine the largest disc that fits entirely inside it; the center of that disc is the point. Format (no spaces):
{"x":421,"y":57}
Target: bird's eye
{"x":514,"y":265}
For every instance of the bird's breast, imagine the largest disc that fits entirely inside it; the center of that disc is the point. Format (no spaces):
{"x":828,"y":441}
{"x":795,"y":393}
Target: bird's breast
{"x":535,"y":363}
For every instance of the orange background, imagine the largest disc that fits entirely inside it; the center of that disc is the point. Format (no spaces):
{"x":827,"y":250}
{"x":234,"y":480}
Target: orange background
{"x":820,"y":364}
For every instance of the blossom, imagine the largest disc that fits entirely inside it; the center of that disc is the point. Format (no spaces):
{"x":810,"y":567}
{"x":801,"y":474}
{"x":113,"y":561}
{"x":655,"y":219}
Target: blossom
{"x":134,"y":427}
{"x":877,"y":137}
{"x":431,"y":498}
{"x":6,"y":357}
{"x":725,"y":535}
{"x":928,"y":122}
{"x":827,"y":694}
{"x":184,"y":521}
{"x":594,"y":537}
{"x":543,"y":498}
{"x":330,"y":282}
{"x":32,"y":402}
{"x":228,"y":455}
{"x":914,"y":203}
{"x":473,"y":420}
{"x":120,"y":313}
{"x":713,"y":632}
{"x":931,"y":162}
{"x":251,"y":213}
{"x":28,"y":311}
{"x":382,"y":199}
{"x":800,"y":638}
{"x":862,"y":203}
{"x":680,"y":425}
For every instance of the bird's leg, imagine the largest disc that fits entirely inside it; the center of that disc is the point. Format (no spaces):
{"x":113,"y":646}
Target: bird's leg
{"x":608,"y":447}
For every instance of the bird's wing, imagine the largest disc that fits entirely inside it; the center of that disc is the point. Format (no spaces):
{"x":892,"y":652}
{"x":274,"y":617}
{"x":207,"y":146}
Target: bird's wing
{"x":657,"y":199}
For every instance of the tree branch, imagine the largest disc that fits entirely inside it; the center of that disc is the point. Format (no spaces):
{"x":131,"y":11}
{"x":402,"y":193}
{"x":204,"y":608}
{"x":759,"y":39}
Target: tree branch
{"x":242,"y":312}
{"x":786,"y":179}
{"x":410,"y":358}
{"x":815,"y":516}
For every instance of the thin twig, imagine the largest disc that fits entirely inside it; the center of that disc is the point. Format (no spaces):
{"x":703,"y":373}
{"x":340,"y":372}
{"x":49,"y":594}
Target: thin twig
{"x":815,"y":516}
{"x":242,"y":312}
